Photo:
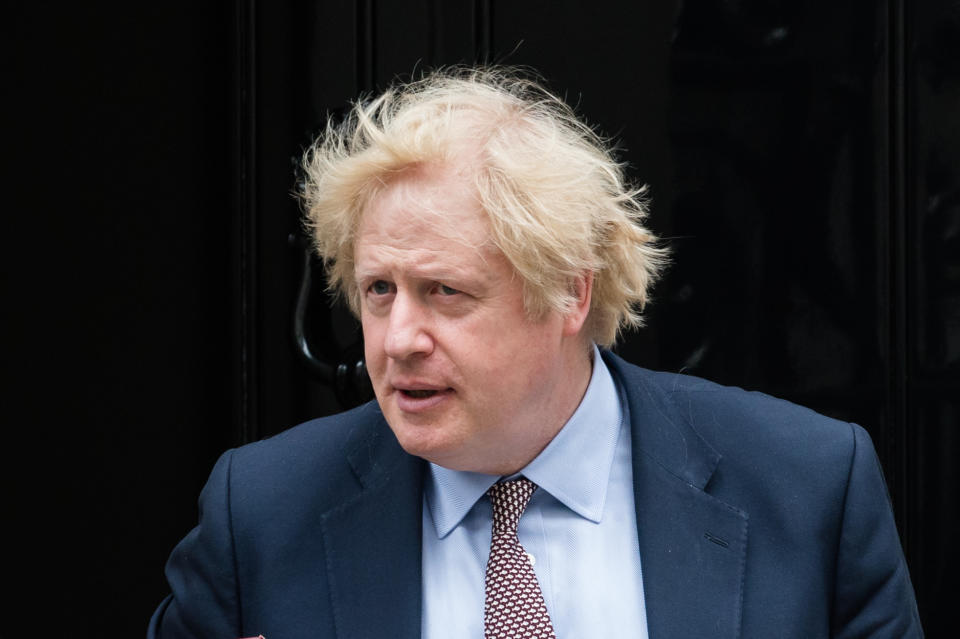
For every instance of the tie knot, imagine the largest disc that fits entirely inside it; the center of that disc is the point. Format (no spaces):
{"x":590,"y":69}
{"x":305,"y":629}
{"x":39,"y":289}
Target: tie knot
{"x":509,"y":500}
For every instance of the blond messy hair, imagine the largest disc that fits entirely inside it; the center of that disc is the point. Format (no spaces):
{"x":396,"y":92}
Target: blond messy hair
{"x":558,"y":203}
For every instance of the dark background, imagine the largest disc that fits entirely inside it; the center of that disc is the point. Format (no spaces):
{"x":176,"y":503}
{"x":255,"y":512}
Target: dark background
{"x":802,"y":157}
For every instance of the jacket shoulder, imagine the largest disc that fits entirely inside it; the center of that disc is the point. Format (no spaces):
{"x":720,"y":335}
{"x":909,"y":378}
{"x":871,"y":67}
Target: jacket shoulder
{"x":321,"y":436}
{"x":749,"y":429}
{"x":309,"y":462}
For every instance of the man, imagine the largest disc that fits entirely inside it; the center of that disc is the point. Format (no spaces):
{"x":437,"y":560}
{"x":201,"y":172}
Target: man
{"x":512,"y":479}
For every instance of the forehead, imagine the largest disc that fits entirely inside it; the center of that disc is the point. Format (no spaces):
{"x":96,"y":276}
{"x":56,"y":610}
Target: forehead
{"x":425,"y":208}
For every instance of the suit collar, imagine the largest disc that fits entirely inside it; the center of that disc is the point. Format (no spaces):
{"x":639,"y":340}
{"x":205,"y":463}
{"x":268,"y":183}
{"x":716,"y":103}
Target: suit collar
{"x":666,"y":438}
{"x":372,"y":540}
{"x":692,"y":546}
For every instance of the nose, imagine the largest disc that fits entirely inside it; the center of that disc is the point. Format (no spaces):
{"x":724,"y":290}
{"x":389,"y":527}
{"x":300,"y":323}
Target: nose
{"x":408,"y":331}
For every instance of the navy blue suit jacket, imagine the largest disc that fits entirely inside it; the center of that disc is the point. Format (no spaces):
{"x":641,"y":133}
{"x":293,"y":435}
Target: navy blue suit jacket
{"x":756,"y":518}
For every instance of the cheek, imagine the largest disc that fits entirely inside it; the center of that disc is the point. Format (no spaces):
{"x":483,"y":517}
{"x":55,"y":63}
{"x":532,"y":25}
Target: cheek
{"x":372,"y":342}
{"x":513,"y":367}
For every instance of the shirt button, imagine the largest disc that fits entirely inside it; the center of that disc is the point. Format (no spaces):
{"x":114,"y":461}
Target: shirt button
{"x":533,"y":560}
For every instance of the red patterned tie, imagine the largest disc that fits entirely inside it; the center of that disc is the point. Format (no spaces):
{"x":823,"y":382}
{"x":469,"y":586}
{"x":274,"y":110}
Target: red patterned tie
{"x":514,"y":606}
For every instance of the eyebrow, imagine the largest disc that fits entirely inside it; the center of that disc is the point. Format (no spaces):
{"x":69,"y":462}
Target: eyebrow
{"x":426,"y":273}
{"x":437,"y":273}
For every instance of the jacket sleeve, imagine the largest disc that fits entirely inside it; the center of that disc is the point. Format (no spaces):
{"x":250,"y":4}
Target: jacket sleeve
{"x":201,"y":571}
{"x":873,"y":594}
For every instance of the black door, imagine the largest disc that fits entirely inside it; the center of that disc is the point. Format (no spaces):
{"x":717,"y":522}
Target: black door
{"x":802,"y":159}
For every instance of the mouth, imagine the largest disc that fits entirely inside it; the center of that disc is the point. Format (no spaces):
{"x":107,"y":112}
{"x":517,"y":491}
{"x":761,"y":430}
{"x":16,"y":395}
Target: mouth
{"x":419,"y":400}
{"x":418,"y":394}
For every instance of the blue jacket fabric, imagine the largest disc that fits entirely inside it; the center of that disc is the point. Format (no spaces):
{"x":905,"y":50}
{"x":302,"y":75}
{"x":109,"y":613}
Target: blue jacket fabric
{"x":756,"y":518}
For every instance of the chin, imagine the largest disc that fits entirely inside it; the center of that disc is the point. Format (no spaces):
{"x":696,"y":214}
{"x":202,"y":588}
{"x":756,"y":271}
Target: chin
{"x":417,"y":439}
{"x":429,"y":444}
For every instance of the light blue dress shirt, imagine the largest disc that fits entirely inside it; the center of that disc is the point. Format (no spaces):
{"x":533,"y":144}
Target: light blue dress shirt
{"x":580,"y":529}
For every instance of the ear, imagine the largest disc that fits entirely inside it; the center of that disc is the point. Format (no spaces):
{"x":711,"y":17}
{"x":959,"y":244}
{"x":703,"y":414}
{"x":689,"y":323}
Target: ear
{"x":576,"y":316}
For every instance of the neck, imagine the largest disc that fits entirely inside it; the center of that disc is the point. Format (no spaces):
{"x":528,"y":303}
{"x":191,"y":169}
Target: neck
{"x":567,"y":397}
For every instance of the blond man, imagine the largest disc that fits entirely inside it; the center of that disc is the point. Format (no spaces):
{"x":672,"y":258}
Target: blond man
{"x":513,"y":477}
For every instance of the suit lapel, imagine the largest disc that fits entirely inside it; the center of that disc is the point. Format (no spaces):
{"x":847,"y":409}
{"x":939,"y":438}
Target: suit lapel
{"x":692,"y":550}
{"x":372,"y":543}
{"x":692,"y":546}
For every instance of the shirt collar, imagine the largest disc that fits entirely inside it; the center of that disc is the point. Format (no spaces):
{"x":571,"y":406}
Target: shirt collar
{"x":574,"y":467}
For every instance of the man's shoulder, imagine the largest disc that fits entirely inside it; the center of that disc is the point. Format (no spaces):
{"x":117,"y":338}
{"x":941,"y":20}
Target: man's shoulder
{"x":332,"y":435}
{"x":736,"y":421}
{"x":313,"y":461}
{"x":759,"y":449}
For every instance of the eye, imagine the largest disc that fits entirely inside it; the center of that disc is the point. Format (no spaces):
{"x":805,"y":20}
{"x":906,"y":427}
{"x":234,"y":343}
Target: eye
{"x":380,"y":287}
{"x":443,"y":289}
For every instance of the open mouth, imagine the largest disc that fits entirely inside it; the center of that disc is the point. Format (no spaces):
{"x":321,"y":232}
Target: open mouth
{"x":419,"y":394}
{"x":420,"y":400}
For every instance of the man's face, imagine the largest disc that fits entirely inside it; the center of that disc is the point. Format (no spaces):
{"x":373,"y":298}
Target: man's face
{"x":464,"y":378}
